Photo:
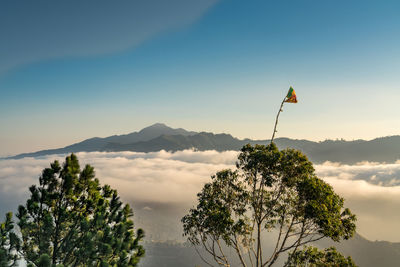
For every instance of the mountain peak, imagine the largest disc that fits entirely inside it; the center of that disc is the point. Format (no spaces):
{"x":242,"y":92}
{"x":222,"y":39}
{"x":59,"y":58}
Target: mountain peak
{"x":159,"y":129}
{"x":156,"y":128}
{"x":156,"y":125}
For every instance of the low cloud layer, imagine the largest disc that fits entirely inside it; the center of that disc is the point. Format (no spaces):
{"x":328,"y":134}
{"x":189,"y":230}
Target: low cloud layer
{"x":162,"y":186}
{"x":372,"y":172}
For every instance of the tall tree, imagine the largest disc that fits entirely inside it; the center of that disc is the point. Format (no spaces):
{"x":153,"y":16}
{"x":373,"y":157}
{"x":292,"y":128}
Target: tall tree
{"x":71,"y":220}
{"x":270,"y":192}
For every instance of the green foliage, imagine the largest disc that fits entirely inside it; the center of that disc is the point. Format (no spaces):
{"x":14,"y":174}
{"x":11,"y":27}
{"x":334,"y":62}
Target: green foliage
{"x":269,"y":190}
{"x":71,"y":220}
{"x":313,"y":257}
{"x":44,"y":261}
{"x":9,"y":243}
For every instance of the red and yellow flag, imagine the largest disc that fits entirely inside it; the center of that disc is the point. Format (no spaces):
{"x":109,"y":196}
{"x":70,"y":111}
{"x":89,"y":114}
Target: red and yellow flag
{"x":291,"y":96}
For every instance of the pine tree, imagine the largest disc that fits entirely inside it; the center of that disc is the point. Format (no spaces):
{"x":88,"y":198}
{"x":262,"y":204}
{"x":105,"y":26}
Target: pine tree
{"x":9,"y":243}
{"x":71,"y":220}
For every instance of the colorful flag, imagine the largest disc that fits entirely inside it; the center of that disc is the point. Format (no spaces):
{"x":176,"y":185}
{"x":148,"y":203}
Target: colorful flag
{"x":291,"y":96}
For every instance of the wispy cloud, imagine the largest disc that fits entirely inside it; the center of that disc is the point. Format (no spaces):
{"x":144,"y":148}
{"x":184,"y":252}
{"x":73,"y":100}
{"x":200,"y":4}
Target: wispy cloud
{"x":42,"y":30}
{"x":163,"y":185}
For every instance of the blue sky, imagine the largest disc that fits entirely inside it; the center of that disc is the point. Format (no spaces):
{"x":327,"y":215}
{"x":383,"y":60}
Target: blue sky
{"x":71,"y":70}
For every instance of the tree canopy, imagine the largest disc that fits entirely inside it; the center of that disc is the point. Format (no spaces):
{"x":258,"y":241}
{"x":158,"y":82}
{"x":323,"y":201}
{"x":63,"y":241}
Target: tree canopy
{"x":71,"y":220}
{"x":270,"y":192}
{"x":9,"y":243}
{"x":313,"y":257}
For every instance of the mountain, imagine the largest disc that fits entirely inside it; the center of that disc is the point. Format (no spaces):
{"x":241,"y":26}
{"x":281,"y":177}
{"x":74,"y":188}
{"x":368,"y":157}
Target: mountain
{"x":99,"y":144}
{"x":384,"y":149}
{"x":200,"y":141}
{"x":161,"y":137}
{"x":147,"y":134}
{"x":365,"y":253}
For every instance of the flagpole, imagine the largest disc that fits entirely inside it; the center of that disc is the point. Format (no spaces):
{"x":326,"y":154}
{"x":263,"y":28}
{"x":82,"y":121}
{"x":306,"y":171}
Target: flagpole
{"x":276,"y":120}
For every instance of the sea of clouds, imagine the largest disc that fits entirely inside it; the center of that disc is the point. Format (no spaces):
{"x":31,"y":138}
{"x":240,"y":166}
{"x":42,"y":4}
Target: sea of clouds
{"x":162,"y":186}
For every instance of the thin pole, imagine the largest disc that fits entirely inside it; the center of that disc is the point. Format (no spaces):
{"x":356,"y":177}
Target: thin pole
{"x":276,"y":121}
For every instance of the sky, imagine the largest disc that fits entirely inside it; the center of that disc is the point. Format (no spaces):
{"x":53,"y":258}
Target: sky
{"x":71,"y":70}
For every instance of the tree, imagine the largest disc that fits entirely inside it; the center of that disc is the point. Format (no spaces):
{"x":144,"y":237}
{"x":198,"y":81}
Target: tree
{"x":313,"y":257}
{"x":9,"y":243}
{"x":70,"y":220}
{"x":270,"y":192}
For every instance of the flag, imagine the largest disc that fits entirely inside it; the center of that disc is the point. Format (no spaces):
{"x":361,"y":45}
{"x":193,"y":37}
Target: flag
{"x":291,"y":96}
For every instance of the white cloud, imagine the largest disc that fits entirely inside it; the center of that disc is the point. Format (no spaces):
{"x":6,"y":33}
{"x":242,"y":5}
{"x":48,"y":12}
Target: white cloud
{"x":372,"y":172}
{"x":162,"y":186}
{"x":372,"y":191}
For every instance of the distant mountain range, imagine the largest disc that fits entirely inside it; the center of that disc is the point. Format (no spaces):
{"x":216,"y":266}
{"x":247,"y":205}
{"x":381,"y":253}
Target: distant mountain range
{"x":365,"y":253}
{"x":161,"y":137}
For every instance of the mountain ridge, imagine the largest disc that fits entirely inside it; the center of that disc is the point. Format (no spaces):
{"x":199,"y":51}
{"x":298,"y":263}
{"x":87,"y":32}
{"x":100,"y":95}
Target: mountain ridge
{"x":161,"y":137}
{"x":365,"y":253}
